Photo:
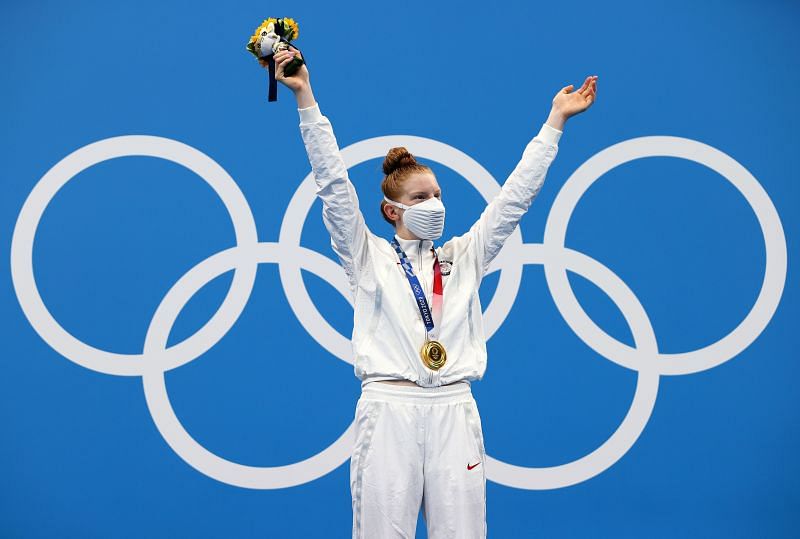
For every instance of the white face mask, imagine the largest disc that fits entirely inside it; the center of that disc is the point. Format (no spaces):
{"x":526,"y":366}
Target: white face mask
{"x":424,"y":219}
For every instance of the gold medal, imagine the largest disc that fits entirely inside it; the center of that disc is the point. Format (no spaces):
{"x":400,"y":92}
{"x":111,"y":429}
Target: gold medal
{"x":433,"y":354}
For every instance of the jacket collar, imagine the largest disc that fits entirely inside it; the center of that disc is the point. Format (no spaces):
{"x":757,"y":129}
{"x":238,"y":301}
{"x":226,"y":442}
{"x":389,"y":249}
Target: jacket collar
{"x":407,"y":245}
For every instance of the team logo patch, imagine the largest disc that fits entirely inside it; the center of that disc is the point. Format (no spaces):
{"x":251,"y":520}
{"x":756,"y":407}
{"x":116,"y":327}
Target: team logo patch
{"x":446,"y":266}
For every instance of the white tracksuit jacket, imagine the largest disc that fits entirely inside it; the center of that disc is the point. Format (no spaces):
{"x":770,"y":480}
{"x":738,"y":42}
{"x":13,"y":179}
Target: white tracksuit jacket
{"x":388,"y":330}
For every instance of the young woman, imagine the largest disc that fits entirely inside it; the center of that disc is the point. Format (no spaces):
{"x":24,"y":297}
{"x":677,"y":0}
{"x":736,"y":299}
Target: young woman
{"x":418,"y":337}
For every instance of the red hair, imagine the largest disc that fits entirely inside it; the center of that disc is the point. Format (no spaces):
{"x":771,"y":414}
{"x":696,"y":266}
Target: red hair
{"x":398,"y":165}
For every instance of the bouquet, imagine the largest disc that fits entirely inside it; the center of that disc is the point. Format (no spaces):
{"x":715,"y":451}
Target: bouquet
{"x":271,"y":36}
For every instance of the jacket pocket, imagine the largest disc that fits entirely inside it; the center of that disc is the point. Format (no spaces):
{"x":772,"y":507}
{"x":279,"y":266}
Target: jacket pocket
{"x":476,"y":429}
{"x":369,"y":305}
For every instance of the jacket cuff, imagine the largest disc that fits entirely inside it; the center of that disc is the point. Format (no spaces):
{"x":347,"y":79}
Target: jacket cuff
{"x":550,"y":135}
{"x":310,"y":114}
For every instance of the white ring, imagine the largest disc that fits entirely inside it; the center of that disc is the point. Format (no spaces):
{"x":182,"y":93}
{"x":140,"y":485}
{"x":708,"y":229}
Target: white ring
{"x":357,"y":153}
{"x":155,"y":390}
{"x":586,"y":467}
{"x":774,"y":240}
{"x":43,"y":192}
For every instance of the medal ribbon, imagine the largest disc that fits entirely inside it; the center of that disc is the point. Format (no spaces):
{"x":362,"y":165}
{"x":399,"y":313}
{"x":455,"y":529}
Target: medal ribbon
{"x":427,"y":317}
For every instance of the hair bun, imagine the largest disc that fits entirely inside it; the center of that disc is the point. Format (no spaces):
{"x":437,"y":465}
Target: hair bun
{"x":398,"y":157}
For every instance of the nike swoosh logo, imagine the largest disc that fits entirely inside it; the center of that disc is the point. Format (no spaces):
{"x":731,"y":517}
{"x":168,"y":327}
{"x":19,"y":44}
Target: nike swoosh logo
{"x":471,"y":467}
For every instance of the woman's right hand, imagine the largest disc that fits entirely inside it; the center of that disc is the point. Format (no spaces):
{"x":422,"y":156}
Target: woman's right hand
{"x":297,"y":81}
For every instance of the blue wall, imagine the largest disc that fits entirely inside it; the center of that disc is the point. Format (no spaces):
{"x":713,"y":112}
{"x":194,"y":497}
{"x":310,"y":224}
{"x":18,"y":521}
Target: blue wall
{"x":687,"y":227}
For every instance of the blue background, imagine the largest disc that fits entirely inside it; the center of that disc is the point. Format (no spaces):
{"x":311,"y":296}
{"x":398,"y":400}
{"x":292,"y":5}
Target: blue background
{"x":81,"y":456}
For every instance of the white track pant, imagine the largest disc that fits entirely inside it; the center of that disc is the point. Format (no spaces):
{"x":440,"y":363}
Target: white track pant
{"x":418,"y":448}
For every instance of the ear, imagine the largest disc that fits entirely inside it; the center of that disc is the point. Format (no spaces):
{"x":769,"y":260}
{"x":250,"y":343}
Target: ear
{"x":391,"y":212}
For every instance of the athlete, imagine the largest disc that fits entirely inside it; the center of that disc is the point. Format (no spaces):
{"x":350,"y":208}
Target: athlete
{"x":418,"y":339}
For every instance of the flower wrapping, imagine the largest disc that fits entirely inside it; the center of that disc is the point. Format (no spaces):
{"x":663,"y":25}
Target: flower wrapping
{"x":273,"y":35}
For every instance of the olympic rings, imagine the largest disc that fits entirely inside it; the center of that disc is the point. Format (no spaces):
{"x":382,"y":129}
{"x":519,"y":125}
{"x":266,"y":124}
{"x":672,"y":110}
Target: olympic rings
{"x":244,"y":258}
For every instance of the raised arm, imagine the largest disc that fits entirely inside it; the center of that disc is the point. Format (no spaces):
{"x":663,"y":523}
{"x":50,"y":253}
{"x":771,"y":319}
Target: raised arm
{"x":340,"y":209}
{"x":503,"y":213}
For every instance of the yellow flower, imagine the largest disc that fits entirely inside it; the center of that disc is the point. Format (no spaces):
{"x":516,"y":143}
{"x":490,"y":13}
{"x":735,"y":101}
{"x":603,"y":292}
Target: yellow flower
{"x":261,"y":27}
{"x":292,"y":28}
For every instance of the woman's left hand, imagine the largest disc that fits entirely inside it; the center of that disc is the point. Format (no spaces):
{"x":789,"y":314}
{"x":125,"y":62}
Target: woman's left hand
{"x":572,"y":103}
{"x":567,"y":103}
